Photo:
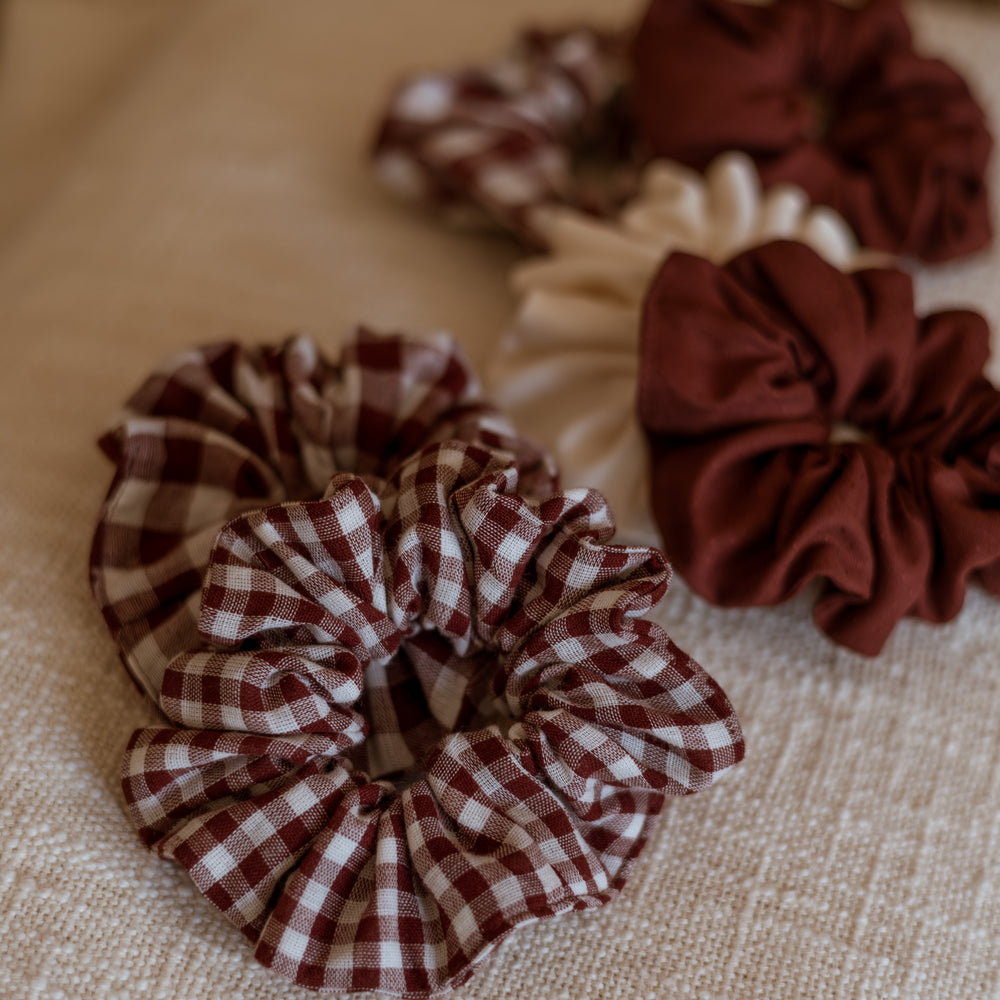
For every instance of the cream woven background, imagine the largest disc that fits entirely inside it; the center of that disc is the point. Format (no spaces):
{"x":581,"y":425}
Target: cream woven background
{"x":174,"y":172}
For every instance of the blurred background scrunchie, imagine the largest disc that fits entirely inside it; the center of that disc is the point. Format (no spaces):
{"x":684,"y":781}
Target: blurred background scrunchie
{"x":827,"y":96}
{"x":805,"y":426}
{"x":488,"y":145}
{"x":410,"y":701}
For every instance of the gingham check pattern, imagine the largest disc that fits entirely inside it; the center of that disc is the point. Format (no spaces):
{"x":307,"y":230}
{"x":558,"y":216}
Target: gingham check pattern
{"x":223,"y":430}
{"x":419,"y":710}
{"x":493,"y":143}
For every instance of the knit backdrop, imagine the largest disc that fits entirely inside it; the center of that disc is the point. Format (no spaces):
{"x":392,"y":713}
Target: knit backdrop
{"x":174,"y":173}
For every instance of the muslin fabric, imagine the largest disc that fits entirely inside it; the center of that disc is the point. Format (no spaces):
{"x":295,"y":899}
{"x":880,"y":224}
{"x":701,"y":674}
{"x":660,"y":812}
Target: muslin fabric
{"x":829,"y":97}
{"x":413,"y":702}
{"x":567,"y":368}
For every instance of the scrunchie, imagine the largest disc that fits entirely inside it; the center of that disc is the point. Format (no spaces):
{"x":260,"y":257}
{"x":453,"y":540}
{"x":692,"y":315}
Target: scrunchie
{"x":568,"y":366}
{"x":826,"y":96}
{"x":491,"y":144}
{"x":416,"y":705}
{"x":804,"y":425}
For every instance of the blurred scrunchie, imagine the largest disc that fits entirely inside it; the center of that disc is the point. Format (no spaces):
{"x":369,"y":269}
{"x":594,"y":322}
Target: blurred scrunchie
{"x":490,"y":144}
{"x":567,"y":367}
{"x":411,"y":701}
{"x":806,"y":426}
{"x":827,"y":96}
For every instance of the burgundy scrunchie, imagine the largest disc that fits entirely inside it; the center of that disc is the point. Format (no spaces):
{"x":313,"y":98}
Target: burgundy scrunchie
{"x":410,"y":699}
{"x":805,"y":425}
{"x":829,"y":97}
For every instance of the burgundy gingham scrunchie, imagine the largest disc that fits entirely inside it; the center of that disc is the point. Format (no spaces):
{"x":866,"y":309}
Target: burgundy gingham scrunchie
{"x":805,"y":425}
{"x":492,"y":144}
{"x":418,"y":705}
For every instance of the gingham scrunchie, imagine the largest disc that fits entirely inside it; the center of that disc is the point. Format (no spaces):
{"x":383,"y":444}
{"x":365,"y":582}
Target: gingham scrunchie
{"x":491,"y":144}
{"x":418,"y":706}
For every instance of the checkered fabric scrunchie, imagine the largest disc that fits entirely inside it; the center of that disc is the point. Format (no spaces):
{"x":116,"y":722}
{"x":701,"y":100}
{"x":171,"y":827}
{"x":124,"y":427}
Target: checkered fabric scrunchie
{"x":411,"y":700}
{"x":491,"y":144}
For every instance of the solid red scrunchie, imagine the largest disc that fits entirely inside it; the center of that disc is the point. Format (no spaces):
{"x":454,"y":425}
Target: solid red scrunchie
{"x":829,"y":97}
{"x":805,"y":425}
{"x":412,"y":702}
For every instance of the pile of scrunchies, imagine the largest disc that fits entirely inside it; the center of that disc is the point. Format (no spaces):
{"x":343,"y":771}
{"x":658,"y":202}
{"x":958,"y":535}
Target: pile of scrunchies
{"x":408,"y":696}
{"x":732,"y":355}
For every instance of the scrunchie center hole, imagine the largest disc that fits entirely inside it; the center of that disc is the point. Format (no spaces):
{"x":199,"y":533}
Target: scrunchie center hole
{"x":818,"y":109}
{"x":411,"y":704}
{"x":844,"y":432}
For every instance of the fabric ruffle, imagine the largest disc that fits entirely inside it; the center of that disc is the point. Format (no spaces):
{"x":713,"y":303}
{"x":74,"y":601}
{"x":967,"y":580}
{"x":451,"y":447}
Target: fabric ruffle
{"x":490,"y":144}
{"x":411,"y":700}
{"x":567,"y":369}
{"x":805,"y":426}
{"x":829,"y":97}
{"x":223,"y":430}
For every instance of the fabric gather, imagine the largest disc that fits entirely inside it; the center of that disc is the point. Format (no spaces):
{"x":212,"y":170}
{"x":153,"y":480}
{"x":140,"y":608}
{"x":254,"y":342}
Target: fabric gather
{"x":491,"y":144}
{"x":411,"y":700}
{"x":806,"y":426}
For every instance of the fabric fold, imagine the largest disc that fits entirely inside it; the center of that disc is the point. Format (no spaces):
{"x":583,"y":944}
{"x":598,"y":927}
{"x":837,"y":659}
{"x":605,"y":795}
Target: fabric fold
{"x":567,"y":368}
{"x":419,"y":705}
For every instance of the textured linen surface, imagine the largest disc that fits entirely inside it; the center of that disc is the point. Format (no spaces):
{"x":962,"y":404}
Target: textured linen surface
{"x":414,"y":703}
{"x":567,"y":367}
{"x":863,"y":441}
{"x":225,"y":193}
{"x":827,"y":96}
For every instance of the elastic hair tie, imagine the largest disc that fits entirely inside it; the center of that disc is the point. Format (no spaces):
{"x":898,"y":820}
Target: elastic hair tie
{"x":827,"y":96}
{"x":410,"y":701}
{"x":806,"y":427}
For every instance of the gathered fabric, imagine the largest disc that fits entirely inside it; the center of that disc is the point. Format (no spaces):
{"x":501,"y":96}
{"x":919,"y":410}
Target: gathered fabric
{"x":488,"y":145}
{"x":410,"y":699}
{"x":805,"y":426}
{"x":567,"y":368}
{"x":827,"y":96}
